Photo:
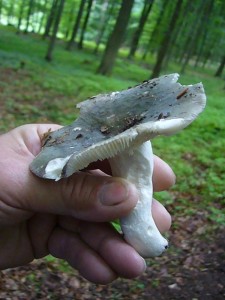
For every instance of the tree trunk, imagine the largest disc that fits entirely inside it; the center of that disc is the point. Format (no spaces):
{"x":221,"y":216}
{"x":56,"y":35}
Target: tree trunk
{"x":48,"y":56}
{"x":166,"y":40}
{"x":221,"y":67}
{"x":50,"y":18}
{"x":174,"y":43}
{"x":76,"y":25}
{"x":105,"y":20}
{"x":216,"y":38}
{"x":29,"y":12}
{"x":207,"y":22}
{"x":116,"y":38}
{"x":137,"y":34}
{"x":0,"y":9}
{"x":22,"y":5}
{"x":10,"y":12}
{"x":193,"y":38}
{"x":70,"y":20}
{"x":80,"y":44}
{"x":43,"y":17}
{"x":156,"y":28}
{"x":202,"y":46}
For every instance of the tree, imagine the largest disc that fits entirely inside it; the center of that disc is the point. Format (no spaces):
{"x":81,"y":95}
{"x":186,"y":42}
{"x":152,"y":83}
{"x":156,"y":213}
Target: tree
{"x":116,"y":38}
{"x":216,"y":36}
{"x":76,"y":25}
{"x":181,"y":24}
{"x":207,"y":23}
{"x":83,"y":29}
{"x":48,"y":56}
{"x":69,"y":20}
{"x":10,"y":11}
{"x":137,"y":34}
{"x":29,"y":12}
{"x":104,"y":21}
{"x":202,"y":17}
{"x":22,"y":5}
{"x":166,"y":40}
{"x":1,"y":9}
{"x":44,"y":9}
{"x":50,"y":18}
{"x":220,"y":69}
{"x":156,"y":30}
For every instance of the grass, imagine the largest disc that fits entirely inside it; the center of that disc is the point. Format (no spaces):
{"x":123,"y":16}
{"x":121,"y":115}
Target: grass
{"x":48,"y":92}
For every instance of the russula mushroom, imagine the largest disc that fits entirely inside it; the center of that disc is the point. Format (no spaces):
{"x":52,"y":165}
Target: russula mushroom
{"x":118,"y":127}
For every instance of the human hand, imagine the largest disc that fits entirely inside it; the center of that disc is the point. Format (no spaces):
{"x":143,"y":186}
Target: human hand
{"x":69,"y":218}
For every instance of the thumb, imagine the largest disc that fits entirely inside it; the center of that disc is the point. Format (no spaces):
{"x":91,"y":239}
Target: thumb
{"x":82,"y":195}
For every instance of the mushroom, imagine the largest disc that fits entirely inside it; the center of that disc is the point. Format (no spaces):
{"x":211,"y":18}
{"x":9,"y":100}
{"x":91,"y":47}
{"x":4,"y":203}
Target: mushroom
{"x":118,"y":127}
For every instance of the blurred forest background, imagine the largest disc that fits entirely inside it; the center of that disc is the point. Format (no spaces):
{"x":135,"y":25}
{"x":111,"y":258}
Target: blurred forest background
{"x":55,"y":53}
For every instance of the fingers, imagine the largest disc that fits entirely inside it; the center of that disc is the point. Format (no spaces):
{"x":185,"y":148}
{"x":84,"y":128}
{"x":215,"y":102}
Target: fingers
{"x":161,"y":216}
{"x":33,"y":135}
{"x":98,"y":251}
{"x":84,"y":196}
{"x":68,"y":246}
{"x":163,"y":176}
{"x":120,"y":256}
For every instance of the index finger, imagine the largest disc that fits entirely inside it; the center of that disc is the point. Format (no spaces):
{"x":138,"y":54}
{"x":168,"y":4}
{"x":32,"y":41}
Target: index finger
{"x":163,"y":175}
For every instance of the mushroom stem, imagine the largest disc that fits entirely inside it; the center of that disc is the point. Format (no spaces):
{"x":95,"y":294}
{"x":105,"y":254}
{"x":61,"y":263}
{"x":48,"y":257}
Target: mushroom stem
{"x":139,"y":227}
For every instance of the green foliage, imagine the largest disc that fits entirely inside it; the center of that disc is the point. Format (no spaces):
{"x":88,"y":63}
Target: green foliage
{"x":187,"y":44}
{"x":217,"y":216}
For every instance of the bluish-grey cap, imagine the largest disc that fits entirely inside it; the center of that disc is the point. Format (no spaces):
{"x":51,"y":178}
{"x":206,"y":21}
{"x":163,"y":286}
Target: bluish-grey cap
{"x":111,"y":123}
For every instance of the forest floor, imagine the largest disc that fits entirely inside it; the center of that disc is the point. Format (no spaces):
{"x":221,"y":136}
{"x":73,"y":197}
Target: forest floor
{"x":194,"y":266}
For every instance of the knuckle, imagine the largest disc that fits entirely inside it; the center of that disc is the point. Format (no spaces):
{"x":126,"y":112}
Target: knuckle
{"x":78,"y":192}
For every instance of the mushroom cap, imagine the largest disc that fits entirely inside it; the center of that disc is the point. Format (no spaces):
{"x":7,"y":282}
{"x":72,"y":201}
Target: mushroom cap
{"x":111,"y":123}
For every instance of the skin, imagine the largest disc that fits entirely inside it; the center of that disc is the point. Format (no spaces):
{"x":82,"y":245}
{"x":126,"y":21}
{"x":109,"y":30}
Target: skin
{"x":69,"y":218}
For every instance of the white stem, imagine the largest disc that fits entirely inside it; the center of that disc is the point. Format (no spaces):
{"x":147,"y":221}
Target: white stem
{"x":139,"y":227}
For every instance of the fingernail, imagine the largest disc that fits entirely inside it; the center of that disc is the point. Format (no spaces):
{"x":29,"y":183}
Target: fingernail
{"x":113,"y":193}
{"x":144,"y":265}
